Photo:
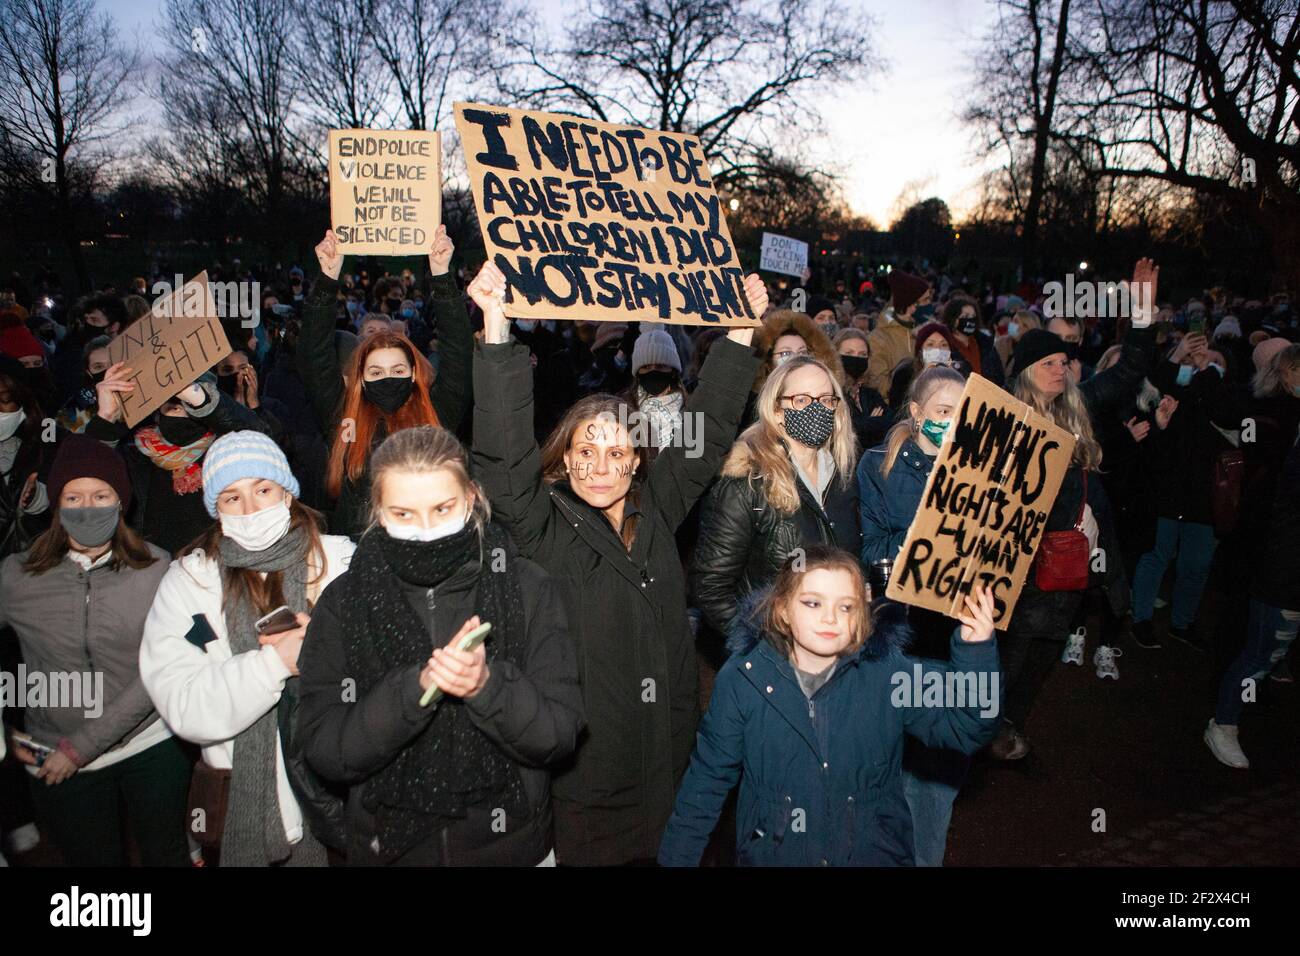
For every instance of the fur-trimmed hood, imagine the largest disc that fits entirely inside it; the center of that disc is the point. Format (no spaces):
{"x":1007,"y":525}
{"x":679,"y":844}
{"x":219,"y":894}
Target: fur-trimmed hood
{"x":890,"y":632}
{"x":787,"y":322}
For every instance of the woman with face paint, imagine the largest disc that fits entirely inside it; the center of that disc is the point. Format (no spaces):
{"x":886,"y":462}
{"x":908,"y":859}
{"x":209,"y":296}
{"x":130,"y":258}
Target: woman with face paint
{"x":584,"y":508}
{"x":165,"y":458}
{"x":462,"y":779}
{"x":222,"y":682}
{"x":78,"y":600}
{"x":787,"y":484}
{"x":387,"y":385}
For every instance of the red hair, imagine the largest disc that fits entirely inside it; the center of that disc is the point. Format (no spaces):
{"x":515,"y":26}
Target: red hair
{"x":351,"y":457}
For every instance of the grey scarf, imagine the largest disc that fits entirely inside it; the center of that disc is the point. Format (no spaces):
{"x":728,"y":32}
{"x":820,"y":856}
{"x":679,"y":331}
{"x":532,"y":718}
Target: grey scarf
{"x":254,"y":832}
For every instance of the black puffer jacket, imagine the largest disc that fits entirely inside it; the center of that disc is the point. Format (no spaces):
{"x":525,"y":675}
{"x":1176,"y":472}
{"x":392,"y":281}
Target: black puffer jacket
{"x":626,"y":609}
{"x":533,"y":715}
{"x":744,"y":540}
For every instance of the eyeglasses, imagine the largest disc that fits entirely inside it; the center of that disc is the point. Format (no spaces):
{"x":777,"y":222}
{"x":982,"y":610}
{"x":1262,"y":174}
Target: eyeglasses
{"x":801,"y":401}
{"x":786,"y":355}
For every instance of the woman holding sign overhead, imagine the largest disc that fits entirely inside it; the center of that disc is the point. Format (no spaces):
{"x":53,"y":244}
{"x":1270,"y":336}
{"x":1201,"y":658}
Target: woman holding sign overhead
{"x":1041,"y":621}
{"x":585,"y":509}
{"x":387,"y":385}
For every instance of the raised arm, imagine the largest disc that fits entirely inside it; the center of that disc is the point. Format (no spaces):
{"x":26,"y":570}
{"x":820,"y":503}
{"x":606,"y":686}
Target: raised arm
{"x":451,"y":390}
{"x":318,"y":362}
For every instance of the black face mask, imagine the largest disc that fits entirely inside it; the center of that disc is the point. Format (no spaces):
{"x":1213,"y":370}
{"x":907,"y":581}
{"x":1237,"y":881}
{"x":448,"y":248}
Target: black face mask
{"x":656,"y":382}
{"x":394,"y":306}
{"x":227,"y":383}
{"x":180,"y":431}
{"x":968,"y":326}
{"x":388,"y":394}
{"x":855,"y":365}
{"x":94,"y":378}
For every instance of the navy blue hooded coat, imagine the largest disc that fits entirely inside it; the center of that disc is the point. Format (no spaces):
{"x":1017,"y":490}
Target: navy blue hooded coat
{"x":820,"y":779}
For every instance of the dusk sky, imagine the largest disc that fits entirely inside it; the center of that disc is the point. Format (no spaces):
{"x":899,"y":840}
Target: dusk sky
{"x":897,"y":130}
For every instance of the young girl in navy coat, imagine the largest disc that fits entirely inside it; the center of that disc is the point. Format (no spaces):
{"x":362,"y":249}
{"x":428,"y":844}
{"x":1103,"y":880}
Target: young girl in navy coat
{"x":813,"y":707}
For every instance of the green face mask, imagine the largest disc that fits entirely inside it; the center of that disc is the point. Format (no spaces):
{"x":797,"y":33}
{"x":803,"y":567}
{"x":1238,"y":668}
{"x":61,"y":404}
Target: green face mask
{"x":935,"y":430}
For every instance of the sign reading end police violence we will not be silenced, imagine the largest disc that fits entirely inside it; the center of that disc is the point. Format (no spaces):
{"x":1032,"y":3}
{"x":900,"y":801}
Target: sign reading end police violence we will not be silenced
{"x":985,"y":505}
{"x":385,"y":190}
{"x":590,"y":220}
{"x":179,"y":340}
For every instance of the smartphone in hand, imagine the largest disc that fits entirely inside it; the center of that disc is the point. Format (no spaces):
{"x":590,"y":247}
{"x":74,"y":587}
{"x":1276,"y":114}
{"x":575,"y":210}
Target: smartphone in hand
{"x":278,"y":621}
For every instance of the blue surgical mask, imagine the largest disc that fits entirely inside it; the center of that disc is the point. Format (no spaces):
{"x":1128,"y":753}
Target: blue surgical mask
{"x":419,"y":304}
{"x":1185,"y":373}
{"x":354,"y":307}
{"x":408,"y":314}
{"x":620,"y":360}
{"x":525,"y":325}
{"x":1013,"y":329}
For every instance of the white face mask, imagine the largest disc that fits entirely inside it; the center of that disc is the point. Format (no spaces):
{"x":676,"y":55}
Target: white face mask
{"x":935,"y":356}
{"x":410,"y":532}
{"x":260,"y":530}
{"x":10,"y":422}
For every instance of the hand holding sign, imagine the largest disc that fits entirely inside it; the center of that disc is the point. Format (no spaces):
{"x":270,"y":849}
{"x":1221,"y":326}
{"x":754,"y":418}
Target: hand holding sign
{"x":977,"y":620}
{"x":116,"y":379}
{"x":756,"y":293}
{"x":488,"y":290}
{"x":440,"y":252}
{"x":329,"y":256}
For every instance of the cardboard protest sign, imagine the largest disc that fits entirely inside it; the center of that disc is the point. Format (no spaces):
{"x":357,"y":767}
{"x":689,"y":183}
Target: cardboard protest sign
{"x":985,"y":504}
{"x":385,"y":190}
{"x":783,"y":254}
{"x":179,"y":340}
{"x":590,"y":220}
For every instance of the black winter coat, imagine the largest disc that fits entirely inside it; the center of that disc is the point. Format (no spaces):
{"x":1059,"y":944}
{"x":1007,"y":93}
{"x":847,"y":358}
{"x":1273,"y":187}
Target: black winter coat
{"x":744,"y":540}
{"x":532,"y":715}
{"x":322,"y":376}
{"x":626,"y":609}
{"x":1181,"y":457}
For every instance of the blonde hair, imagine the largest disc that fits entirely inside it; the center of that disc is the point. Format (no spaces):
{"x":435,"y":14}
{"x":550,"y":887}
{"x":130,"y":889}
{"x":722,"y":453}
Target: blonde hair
{"x":766,"y":438}
{"x":425,"y":448}
{"x":920,"y":391}
{"x":1067,"y":410}
{"x":1268,"y":380}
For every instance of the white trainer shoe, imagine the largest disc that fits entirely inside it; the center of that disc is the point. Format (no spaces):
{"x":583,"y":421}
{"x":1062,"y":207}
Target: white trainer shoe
{"x":1073,"y":653}
{"x":1222,"y":741}
{"x":1104,"y":661}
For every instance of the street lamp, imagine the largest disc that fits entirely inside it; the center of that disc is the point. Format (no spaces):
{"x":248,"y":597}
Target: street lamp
{"x":735,"y":204}
{"x":1083,"y":266}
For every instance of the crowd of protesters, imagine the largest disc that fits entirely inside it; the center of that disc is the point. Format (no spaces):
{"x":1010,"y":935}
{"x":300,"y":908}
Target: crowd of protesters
{"x":278,"y":582}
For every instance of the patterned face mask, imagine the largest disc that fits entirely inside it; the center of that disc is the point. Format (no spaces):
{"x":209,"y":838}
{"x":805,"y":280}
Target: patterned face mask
{"x":811,"y":426}
{"x":935,"y":431}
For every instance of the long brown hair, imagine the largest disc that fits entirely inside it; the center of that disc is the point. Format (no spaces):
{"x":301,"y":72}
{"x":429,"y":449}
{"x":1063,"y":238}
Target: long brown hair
{"x":774,"y":609}
{"x":922,"y":387}
{"x":350,"y":452}
{"x":603,"y":406}
{"x":129,"y":549}
{"x":265,"y":594}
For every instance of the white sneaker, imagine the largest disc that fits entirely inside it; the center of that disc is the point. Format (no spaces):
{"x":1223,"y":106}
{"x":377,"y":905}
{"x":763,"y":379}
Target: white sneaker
{"x":23,"y":840}
{"x":1104,"y":661}
{"x":1222,"y":741}
{"x":1073,"y":653}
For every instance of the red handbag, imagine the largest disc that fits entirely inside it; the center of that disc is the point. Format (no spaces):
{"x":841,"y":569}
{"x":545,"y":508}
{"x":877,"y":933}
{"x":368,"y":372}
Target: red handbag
{"x":1062,"y":563}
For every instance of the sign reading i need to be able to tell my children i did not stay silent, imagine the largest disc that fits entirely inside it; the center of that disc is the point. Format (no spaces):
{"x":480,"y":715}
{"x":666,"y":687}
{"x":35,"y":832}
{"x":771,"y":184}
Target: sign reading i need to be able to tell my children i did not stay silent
{"x":590,"y":220}
{"x":985,"y":504}
{"x":385,"y":190}
{"x":179,"y":340}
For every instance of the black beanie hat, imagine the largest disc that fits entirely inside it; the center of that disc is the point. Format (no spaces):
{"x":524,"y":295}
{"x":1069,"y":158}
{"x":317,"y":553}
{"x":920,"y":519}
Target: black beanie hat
{"x":1036,"y":344}
{"x":818,"y":303}
{"x":82,"y":457}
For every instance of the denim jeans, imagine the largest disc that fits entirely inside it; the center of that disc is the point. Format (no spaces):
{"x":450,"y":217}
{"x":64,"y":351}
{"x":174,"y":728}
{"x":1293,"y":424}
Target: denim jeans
{"x":931,"y":778}
{"x":1194,"y":544}
{"x":1268,"y":637}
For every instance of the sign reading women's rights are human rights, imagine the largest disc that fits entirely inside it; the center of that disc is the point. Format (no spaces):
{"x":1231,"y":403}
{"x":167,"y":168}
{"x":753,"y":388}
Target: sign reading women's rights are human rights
{"x":590,"y":220}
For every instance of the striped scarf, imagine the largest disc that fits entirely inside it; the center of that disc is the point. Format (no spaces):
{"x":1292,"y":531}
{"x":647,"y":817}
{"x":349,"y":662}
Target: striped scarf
{"x":183,"y":461}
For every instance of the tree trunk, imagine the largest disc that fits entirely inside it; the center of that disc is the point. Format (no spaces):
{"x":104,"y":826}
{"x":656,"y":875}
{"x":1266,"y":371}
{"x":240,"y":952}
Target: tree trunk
{"x":1042,"y":139}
